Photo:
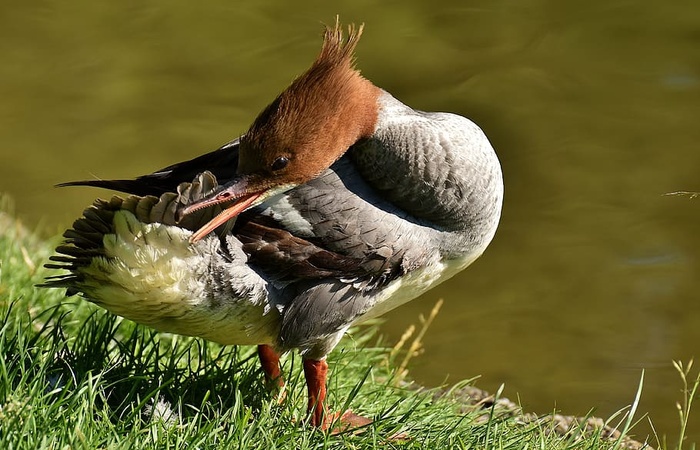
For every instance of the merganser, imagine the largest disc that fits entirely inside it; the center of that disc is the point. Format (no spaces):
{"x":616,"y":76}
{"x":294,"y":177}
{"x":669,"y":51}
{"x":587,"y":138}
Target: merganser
{"x":339,"y":204}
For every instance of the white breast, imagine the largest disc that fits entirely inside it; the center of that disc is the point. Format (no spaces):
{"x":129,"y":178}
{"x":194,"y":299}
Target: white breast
{"x":417,"y":282}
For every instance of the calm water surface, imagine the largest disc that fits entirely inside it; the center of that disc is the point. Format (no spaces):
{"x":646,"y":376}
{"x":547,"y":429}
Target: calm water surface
{"x":593,"y":107}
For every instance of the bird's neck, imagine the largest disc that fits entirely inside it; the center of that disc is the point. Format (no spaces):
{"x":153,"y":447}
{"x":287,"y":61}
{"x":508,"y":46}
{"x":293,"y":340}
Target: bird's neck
{"x":438,"y":167}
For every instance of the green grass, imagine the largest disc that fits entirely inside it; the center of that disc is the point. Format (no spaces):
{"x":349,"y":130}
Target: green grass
{"x":73,"y":376}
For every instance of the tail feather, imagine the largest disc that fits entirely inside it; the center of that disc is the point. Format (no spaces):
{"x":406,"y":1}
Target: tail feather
{"x":222,"y":163}
{"x":84,"y":241}
{"x":135,"y":187}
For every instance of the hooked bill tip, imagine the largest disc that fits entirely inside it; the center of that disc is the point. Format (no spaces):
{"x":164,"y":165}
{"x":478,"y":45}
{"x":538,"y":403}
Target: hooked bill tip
{"x":186,"y":210}
{"x":181,"y":212}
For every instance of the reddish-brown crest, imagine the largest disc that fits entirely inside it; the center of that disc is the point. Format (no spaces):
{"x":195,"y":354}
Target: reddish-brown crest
{"x":314,"y":121}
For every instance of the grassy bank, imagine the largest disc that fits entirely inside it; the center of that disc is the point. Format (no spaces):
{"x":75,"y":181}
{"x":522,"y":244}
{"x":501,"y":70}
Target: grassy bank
{"x":72,"y":376}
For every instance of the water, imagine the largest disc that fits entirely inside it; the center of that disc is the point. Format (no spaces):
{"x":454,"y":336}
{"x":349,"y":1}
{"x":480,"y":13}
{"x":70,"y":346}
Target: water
{"x":593,"y":108}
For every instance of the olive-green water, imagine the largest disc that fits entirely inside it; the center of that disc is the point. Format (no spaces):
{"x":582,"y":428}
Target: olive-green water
{"x":593,"y":107}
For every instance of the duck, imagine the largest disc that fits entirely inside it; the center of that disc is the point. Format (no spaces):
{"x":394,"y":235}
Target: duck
{"x":337,"y":205}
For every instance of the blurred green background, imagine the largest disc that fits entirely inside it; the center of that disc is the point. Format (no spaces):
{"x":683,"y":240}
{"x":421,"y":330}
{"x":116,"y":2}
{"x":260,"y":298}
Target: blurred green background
{"x":593,"y":108}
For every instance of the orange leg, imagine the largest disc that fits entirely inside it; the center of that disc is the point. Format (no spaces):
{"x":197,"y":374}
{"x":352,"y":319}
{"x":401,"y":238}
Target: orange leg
{"x":316,"y":373}
{"x":270,"y":362}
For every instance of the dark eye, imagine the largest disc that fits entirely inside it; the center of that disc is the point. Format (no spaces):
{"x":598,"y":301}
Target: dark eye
{"x":280,"y":163}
